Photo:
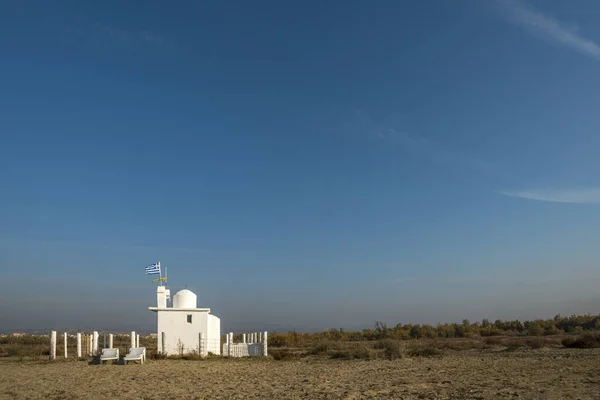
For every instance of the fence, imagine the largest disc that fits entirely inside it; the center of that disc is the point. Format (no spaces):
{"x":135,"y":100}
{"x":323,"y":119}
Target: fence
{"x":88,"y":344}
{"x":253,"y":344}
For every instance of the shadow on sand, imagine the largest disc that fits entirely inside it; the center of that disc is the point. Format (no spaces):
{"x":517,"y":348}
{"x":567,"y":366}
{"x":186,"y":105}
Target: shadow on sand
{"x":96,"y":361}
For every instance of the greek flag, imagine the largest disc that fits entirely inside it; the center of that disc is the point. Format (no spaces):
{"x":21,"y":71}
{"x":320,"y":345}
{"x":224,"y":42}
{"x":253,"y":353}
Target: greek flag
{"x":153,"y":269}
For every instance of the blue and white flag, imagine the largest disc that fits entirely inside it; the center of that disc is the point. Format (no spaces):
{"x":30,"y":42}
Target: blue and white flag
{"x":153,"y":269}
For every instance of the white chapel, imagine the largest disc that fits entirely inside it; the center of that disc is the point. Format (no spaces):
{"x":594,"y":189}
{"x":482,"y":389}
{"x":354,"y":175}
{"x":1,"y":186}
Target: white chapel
{"x":183,"y":328}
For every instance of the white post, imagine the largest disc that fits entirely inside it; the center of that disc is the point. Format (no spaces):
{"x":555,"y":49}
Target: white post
{"x":163,"y":343}
{"x":133,"y":339}
{"x":79,"y":354}
{"x":52,"y":345}
{"x":265,"y":351}
{"x":137,"y":339}
{"x":201,"y":347}
{"x":65,"y":344}
{"x":244,"y":338}
{"x":230,"y":349}
{"x":95,"y":345}
{"x":110,"y":340}
{"x":260,"y":337}
{"x":90,"y":344}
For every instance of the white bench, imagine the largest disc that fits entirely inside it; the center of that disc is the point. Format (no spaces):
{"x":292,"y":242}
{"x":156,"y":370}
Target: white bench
{"x":109,"y":354}
{"x":135,"y":354}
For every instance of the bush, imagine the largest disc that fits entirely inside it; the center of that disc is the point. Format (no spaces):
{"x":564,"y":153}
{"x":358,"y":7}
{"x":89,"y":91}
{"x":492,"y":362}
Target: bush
{"x":423,"y":351}
{"x":277,"y":340}
{"x":536,"y":343}
{"x":356,"y":352}
{"x":192,"y":355}
{"x":514,"y":345}
{"x":283,"y":354}
{"x":325,"y":347}
{"x":587,"y":341}
{"x":460,"y":345}
{"x":493,"y":341}
{"x":391,"y":349}
{"x":158,"y":356}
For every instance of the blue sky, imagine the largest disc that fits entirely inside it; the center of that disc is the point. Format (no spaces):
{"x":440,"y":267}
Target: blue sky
{"x":299,"y":165}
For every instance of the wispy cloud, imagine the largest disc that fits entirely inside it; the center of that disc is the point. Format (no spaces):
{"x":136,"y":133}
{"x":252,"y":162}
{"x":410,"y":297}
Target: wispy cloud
{"x":577,"y":196}
{"x":93,"y":32}
{"x":549,"y":28}
{"x":389,"y":131}
{"x":130,"y":37}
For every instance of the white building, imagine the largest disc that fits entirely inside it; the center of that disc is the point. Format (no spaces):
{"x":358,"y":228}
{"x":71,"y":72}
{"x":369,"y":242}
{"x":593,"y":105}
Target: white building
{"x":184,"y":328}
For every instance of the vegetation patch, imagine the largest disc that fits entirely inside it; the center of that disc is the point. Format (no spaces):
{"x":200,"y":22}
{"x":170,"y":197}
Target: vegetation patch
{"x":513,"y":345}
{"x":354,"y":352}
{"x":536,"y":343}
{"x":423,"y":351}
{"x":391,"y":349}
{"x":587,"y":341}
{"x":283,"y":354}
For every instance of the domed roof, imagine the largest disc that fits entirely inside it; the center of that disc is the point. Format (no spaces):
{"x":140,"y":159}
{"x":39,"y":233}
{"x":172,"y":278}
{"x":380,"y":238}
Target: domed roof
{"x":184,"y":299}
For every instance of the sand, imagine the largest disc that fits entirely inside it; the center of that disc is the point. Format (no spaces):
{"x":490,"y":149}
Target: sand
{"x":525,"y":374}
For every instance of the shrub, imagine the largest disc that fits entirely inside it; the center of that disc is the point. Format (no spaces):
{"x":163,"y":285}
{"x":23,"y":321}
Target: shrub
{"x":277,"y":340}
{"x":391,"y":349}
{"x":423,"y":351}
{"x":460,"y":345}
{"x":536,"y":343}
{"x":493,"y":341}
{"x":587,"y":341}
{"x":325,"y":347}
{"x":513,"y":345}
{"x":283,"y":354}
{"x":192,"y":355}
{"x":319,"y":349}
{"x":356,"y":352}
{"x":158,"y":356}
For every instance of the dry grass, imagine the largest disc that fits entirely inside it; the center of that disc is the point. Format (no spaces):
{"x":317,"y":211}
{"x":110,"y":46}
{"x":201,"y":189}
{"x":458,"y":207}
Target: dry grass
{"x":547,"y":373}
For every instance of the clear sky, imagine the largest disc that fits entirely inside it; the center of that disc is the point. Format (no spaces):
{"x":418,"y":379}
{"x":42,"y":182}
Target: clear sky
{"x":300,"y":165}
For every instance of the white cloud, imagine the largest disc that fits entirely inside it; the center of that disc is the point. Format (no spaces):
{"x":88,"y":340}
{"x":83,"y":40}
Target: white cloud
{"x":550,"y":28}
{"x":577,"y":196}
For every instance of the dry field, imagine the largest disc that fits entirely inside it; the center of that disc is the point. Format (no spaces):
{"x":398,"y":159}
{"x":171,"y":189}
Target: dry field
{"x":472,"y":374}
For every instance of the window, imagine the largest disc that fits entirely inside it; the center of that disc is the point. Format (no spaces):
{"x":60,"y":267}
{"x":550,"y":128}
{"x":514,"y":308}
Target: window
{"x":189,"y":318}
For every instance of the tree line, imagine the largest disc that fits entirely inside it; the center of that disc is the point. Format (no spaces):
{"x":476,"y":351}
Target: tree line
{"x":466,"y":329}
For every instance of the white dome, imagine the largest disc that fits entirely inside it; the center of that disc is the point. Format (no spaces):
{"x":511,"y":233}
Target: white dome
{"x":184,"y":299}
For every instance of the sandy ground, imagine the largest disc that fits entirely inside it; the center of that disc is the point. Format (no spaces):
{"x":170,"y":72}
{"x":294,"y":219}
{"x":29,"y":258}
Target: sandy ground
{"x":525,"y":374}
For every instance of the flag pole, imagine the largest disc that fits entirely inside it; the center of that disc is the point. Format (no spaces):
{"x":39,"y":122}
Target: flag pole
{"x":160,"y":274}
